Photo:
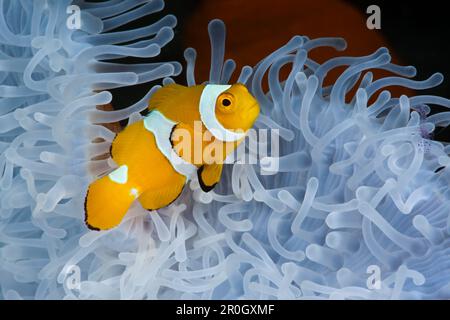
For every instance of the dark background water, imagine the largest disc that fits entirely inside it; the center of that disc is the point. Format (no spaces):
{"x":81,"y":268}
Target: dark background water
{"x":416,"y":32}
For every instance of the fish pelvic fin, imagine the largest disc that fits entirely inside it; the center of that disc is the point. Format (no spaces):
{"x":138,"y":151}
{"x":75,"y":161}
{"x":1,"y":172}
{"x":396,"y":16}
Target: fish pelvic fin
{"x":209,"y":175}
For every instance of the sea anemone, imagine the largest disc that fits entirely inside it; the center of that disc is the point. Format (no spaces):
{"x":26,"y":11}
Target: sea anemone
{"x":51,"y":141}
{"x":361,"y":189}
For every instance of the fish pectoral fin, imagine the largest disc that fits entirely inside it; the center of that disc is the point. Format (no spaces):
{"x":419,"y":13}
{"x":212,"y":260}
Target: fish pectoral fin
{"x":154,"y":199}
{"x":107,"y":202}
{"x":209,"y":176}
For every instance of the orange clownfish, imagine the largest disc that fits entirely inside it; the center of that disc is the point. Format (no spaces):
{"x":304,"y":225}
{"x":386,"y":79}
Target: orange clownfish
{"x":154,"y":164}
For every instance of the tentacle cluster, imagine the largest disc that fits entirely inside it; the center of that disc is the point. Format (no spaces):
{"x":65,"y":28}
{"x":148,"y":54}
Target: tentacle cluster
{"x":52,"y":79}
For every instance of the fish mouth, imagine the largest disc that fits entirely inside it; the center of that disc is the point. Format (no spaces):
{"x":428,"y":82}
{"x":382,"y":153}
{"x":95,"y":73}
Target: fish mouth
{"x":253,"y":111}
{"x":254,"y":106}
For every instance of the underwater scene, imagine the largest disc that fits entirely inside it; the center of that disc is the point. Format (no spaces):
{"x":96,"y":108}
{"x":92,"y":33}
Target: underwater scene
{"x":225,"y":150}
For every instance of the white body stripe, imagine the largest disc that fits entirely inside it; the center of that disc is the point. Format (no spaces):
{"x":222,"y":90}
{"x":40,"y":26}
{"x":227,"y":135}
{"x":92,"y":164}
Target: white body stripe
{"x":207,"y":110}
{"x":161,"y":127}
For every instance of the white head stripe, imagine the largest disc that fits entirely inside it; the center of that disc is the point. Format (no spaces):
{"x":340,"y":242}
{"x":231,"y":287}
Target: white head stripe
{"x":208,"y":113}
{"x":120,"y":175}
{"x":161,"y":127}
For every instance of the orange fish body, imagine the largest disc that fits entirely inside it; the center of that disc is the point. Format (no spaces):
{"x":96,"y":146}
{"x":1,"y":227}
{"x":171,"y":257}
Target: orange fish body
{"x":157,"y":155}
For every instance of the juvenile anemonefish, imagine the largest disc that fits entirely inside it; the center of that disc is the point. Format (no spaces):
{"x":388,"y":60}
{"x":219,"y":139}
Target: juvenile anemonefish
{"x":151,"y":165}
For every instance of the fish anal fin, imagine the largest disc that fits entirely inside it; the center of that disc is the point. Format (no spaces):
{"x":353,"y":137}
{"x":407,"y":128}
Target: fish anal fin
{"x":154,"y":199}
{"x":209,"y":176}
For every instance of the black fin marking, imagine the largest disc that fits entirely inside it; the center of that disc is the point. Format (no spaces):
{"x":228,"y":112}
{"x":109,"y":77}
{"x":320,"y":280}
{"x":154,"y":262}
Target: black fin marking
{"x":204,"y":187}
{"x":86,"y":214}
{"x":170,"y":136}
{"x":111,"y":146}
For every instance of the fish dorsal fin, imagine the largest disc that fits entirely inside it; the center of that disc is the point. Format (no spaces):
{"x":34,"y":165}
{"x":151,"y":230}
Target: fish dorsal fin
{"x":177,"y":102}
{"x":163,"y":94}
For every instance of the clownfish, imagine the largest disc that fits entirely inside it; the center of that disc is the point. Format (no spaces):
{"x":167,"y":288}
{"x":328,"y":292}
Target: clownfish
{"x":158,"y":155}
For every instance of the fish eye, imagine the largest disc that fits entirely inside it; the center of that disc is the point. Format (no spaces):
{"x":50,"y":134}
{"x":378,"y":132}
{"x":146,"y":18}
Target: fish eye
{"x":226,"y":102}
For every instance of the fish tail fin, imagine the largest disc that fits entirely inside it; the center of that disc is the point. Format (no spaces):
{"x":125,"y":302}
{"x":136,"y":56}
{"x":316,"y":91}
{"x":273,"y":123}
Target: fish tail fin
{"x":107,"y":202}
